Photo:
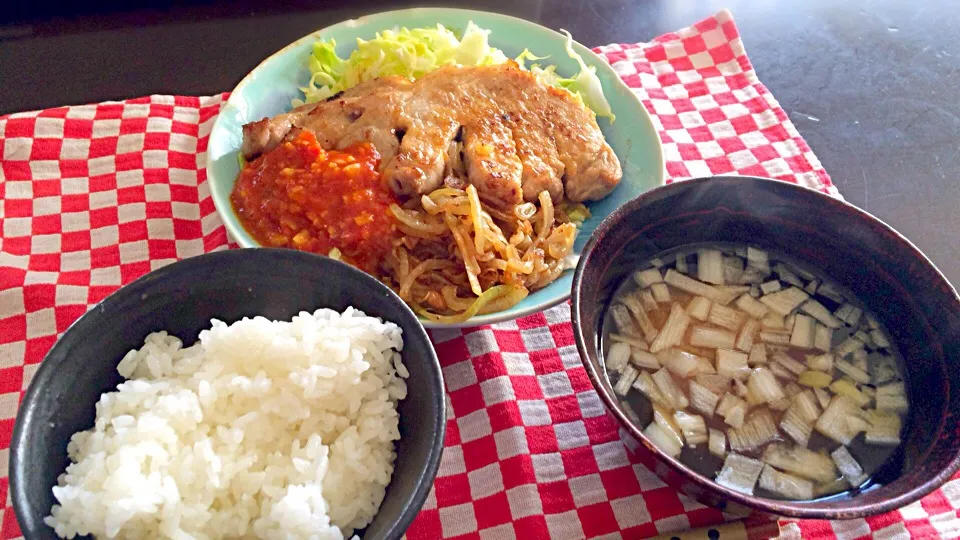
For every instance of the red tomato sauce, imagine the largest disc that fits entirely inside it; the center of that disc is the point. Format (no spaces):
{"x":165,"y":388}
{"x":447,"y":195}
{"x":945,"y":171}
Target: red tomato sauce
{"x":300,"y":196}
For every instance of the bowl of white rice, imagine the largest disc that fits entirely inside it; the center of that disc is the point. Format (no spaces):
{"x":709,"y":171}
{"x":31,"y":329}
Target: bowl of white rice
{"x":252,"y":393}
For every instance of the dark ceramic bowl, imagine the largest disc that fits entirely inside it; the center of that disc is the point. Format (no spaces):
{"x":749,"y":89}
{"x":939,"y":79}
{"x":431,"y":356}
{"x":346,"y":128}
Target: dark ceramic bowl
{"x":885,"y":271}
{"x":182,"y":298}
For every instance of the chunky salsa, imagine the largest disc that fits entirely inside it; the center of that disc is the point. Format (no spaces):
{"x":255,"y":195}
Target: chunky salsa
{"x":302,"y":197}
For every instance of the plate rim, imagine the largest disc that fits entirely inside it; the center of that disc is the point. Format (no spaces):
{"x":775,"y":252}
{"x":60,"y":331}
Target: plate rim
{"x":581,"y":49}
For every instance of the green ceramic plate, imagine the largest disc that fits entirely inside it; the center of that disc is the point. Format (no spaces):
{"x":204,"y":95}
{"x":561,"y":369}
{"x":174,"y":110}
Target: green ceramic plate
{"x":269,"y":88}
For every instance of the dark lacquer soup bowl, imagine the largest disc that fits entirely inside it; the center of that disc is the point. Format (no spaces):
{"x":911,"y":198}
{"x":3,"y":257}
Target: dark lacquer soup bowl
{"x":890,"y":276}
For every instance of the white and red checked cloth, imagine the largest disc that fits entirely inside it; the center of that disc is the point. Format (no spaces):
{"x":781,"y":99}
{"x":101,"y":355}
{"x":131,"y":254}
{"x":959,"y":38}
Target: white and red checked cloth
{"x":92,"y":197}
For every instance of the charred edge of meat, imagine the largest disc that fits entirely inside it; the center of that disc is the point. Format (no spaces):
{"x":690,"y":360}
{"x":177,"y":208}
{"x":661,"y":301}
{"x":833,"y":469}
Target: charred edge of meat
{"x":335,"y":96}
{"x":458,"y":138}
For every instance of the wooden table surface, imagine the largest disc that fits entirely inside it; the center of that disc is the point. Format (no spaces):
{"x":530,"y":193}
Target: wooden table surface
{"x":873,"y":86}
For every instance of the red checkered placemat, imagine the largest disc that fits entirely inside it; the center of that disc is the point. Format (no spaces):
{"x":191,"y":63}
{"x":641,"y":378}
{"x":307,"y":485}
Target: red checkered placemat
{"x":92,"y":197}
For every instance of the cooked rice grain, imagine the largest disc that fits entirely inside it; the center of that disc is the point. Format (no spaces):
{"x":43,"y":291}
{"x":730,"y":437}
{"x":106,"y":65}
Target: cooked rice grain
{"x":261,"y":429}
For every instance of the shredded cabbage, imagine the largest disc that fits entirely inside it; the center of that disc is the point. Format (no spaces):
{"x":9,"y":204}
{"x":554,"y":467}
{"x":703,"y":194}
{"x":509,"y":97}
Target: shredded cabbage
{"x":587,"y":85}
{"x":413,"y":53}
{"x":498,"y":298}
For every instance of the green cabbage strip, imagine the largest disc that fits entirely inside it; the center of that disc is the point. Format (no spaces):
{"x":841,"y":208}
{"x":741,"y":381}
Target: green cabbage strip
{"x":498,"y":298}
{"x":587,"y":85}
{"x":404,"y":52}
{"x":414,"y":53}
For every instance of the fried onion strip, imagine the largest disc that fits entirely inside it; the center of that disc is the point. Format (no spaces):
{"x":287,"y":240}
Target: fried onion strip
{"x":425,"y":266}
{"x":498,"y":254}
{"x":479,"y":226}
{"x":466,"y":251}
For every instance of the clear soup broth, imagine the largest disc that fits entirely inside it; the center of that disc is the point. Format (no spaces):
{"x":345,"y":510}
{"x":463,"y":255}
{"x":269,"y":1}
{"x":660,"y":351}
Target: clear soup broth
{"x":756,"y":372}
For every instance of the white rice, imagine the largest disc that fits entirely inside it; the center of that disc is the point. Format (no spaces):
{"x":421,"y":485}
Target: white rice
{"x":261,"y":429}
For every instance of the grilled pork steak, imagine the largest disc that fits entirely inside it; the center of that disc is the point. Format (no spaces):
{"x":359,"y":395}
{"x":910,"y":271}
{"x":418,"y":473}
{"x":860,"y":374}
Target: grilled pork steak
{"x":519,"y":137}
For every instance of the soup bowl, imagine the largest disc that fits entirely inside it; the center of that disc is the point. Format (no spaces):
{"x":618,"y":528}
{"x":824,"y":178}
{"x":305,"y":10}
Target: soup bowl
{"x":878,"y":266}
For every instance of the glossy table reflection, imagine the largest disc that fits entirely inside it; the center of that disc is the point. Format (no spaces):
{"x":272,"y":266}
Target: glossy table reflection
{"x":873,"y":86}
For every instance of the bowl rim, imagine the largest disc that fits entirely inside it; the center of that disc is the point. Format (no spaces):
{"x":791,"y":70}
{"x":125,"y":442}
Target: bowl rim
{"x":791,"y":509}
{"x":593,"y":59}
{"x":46,"y":370}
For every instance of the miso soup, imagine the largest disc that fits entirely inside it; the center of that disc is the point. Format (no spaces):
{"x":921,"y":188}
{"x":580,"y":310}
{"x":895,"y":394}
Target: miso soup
{"x":756,"y":372}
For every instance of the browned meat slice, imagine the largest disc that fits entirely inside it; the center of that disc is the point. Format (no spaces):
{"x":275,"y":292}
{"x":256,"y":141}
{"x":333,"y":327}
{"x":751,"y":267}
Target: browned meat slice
{"x":491,"y":160}
{"x":590,"y":175}
{"x":419,"y":164}
{"x":339,"y":121}
{"x":520,"y":137}
{"x":264,"y":135}
{"x":370,"y":111}
{"x":542,"y":168}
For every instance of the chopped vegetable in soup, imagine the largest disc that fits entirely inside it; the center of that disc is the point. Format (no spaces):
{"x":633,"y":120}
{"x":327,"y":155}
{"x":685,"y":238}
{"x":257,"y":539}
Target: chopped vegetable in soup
{"x":756,"y":372}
